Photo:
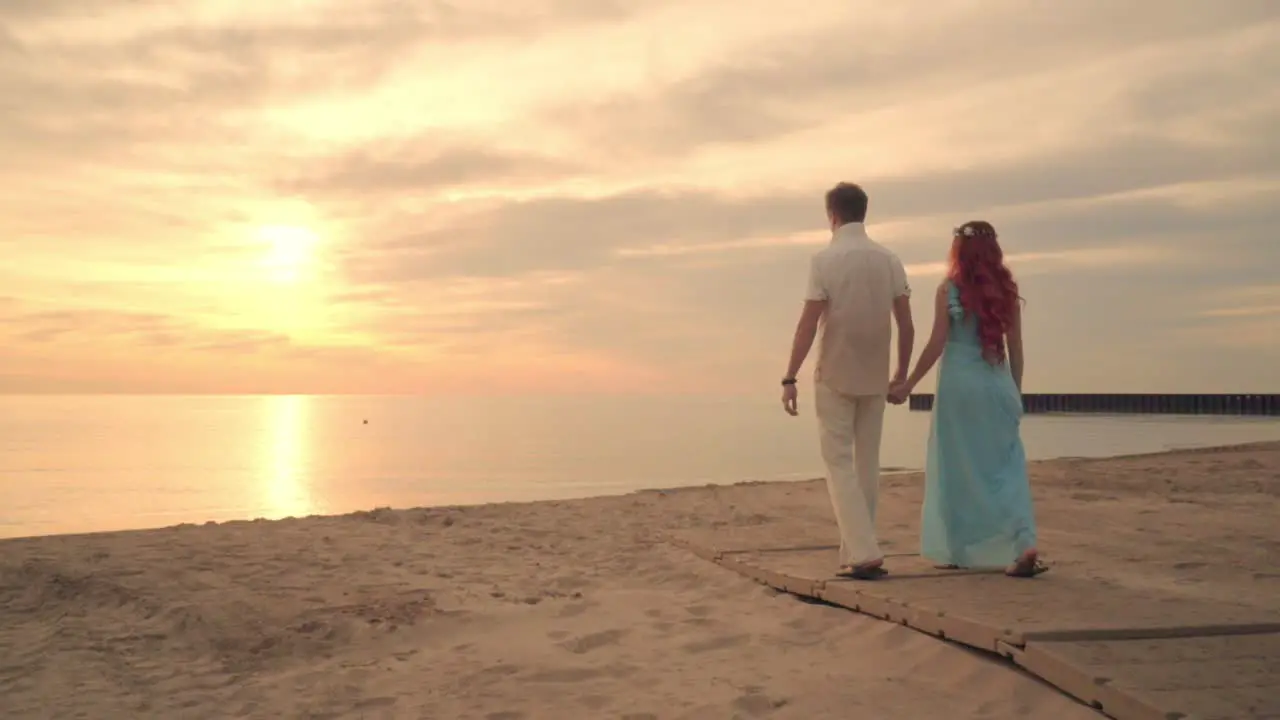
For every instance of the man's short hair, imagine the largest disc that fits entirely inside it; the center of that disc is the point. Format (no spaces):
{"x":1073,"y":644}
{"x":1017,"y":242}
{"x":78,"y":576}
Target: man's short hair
{"x":847,"y":202}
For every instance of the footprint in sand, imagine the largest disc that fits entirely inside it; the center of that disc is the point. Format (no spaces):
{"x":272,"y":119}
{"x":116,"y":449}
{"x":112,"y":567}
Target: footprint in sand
{"x":594,"y":641}
{"x":595,"y":702}
{"x":662,"y":628}
{"x":755,"y":704}
{"x":499,"y":670}
{"x":617,"y":671}
{"x":723,"y":642}
{"x":573,"y":675}
{"x":574,"y":609}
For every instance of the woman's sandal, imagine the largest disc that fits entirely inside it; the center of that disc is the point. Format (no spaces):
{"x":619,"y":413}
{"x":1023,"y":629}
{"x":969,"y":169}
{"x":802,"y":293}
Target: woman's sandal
{"x":1027,"y":568}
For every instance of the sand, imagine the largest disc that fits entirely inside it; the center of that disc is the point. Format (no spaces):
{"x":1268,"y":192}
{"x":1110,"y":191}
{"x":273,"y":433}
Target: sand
{"x":573,"y":609}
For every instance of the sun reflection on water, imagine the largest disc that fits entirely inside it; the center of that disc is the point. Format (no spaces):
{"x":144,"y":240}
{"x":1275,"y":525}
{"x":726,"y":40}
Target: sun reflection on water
{"x":287,"y":493}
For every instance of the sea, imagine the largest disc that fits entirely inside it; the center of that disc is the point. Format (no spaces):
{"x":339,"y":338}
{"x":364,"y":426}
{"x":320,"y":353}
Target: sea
{"x":100,"y":463}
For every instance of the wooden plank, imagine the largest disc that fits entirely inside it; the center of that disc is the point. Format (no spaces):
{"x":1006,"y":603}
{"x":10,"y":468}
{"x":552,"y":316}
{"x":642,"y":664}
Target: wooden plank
{"x":1064,"y":607}
{"x":1154,"y":632}
{"x":1010,"y":652}
{"x":1076,"y":681}
{"x":1208,"y":678}
{"x":847,"y":595}
{"x":704,"y":551}
{"x":980,"y":608}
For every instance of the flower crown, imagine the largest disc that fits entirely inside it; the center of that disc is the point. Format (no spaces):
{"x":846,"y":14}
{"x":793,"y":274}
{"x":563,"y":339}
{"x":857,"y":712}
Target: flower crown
{"x":969,"y":231}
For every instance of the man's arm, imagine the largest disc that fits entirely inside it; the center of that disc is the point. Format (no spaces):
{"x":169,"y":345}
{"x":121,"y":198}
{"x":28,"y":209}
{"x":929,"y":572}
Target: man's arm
{"x":806,"y":331}
{"x":902,"y":316}
{"x":815,"y":305}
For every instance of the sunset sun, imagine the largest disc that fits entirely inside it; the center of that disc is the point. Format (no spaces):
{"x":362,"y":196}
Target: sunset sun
{"x":290,"y":251}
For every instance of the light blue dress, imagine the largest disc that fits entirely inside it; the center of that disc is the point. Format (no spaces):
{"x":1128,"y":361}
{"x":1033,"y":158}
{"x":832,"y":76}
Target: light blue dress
{"x":977,"y":502}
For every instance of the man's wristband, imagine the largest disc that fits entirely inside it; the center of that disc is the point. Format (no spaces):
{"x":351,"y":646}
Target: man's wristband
{"x":788,"y":381}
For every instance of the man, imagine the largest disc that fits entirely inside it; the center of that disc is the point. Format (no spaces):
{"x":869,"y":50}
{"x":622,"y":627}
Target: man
{"x":855,"y":284}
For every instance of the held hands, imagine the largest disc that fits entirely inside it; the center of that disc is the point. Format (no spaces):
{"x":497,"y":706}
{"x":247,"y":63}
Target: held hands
{"x":899,"y":391}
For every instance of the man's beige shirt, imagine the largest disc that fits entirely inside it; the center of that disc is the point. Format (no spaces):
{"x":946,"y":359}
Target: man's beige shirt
{"x":859,"y":278}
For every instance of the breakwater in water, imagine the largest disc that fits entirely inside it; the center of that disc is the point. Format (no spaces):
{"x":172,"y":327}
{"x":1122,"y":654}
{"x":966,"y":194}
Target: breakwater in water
{"x":1142,"y":403}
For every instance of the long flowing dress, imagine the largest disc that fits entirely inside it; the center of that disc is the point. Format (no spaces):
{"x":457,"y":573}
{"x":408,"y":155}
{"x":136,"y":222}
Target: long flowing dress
{"x":977,"y":509}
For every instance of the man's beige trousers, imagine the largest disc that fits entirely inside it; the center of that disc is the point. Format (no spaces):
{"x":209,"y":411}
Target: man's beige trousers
{"x":849,"y":429}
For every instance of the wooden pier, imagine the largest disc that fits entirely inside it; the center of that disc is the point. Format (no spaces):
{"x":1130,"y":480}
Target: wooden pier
{"x":1137,"y":403}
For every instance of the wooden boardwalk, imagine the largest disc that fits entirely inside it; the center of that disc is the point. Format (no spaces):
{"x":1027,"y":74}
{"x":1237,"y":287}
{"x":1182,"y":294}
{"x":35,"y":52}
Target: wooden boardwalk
{"x":1131,"y":654}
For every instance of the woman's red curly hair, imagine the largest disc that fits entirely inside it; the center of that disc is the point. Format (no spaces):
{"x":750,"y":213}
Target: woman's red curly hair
{"x":988,"y":291}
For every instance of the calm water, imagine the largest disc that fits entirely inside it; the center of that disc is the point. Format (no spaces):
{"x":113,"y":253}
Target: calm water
{"x":77,"y":464}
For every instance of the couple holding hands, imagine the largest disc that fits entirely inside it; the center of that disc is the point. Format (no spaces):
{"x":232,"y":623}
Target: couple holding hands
{"x":977,"y":509}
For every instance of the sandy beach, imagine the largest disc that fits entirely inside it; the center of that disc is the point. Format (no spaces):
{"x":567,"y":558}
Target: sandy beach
{"x":578,"y":609}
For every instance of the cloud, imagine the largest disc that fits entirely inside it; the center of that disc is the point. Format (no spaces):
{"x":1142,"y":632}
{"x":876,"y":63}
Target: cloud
{"x":585,"y":193}
{"x":1113,"y":258}
{"x":955,"y":53}
{"x":15,"y":10}
{"x":1254,"y":311}
{"x":419,"y":171}
{"x":143,"y":76}
{"x":575,"y":233}
{"x":146,"y":331}
{"x":1252,"y":328}
{"x":1100,"y":269}
{"x":1259,"y":304}
{"x":157,"y":352}
{"x":1091,"y":198}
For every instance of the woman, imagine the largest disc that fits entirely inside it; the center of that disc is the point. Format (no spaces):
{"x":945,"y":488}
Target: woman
{"x":977,"y":504}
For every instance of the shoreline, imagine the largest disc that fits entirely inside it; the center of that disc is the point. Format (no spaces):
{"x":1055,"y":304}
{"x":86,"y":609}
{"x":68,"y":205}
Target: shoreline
{"x":886,"y":472}
{"x":579,"y":608}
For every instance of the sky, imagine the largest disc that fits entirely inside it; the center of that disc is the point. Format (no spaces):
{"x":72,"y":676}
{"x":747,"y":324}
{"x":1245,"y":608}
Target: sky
{"x":598,"y":196}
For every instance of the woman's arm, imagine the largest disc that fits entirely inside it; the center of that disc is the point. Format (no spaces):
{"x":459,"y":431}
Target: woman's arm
{"x":1014,"y":339}
{"x":937,"y":339}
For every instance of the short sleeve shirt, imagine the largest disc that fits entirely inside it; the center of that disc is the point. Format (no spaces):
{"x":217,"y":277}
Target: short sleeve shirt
{"x":859,"y":279}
